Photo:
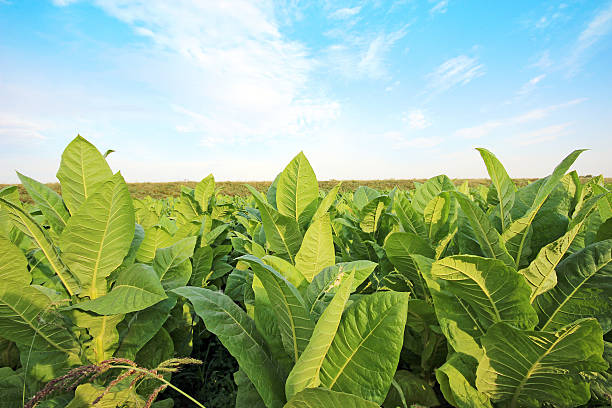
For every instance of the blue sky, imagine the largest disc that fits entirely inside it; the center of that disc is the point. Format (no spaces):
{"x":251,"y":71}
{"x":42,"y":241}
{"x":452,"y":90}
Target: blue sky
{"x":367,"y":89}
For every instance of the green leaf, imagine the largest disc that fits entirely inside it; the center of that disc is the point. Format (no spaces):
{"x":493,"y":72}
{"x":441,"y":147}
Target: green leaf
{"x":136,"y":288}
{"x":202,"y":265}
{"x":327,"y":202}
{"x":457,"y":379}
{"x":526,"y":368}
{"x":82,"y":171}
{"x":14,"y":265}
{"x":540,"y":274}
{"x":322,"y":398}
{"x":317,"y":249}
{"x":583,"y":289}
{"x":287,"y":270}
{"x":204,"y":191}
{"x":98,"y":236}
{"x":515,"y":236}
{"x":237,"y":332}
{"x":496,"y":292}
{"x":155,"y":237}
{"x":364,"y":354}
{"x":172,"y":264}
{"x":408,"y":389}
{"x":399,"y":247}
{"x":104,"y":335}
{"x":33,"y":230}
{"x":87,"y":393}
{"x":294,"y":320}
{"x":424,"y":193}
{"x":410,"y":220}
{"x":325,"y":284}
{"x":504,"y":186}
{"x":371,"y":214}
{"x":490,"y":242}
{"x":26,"y":318}
{"x":436,"y":215}
{"x":306,"y":372}
{"x":297,"y":192}
{"x":49,"y":202}
{"x":282,"y":232}
{"x":246,"y":394}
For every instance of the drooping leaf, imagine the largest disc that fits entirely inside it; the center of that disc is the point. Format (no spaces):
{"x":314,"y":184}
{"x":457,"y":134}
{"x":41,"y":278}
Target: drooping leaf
{"x":526,"y":368}
{"x":317,"y":249}
{"x":297,"y":192}
{"x":172,"y":264}
{"x":496,"y":292}
{"x":49,"y":202}
{"x":399,"y":247}
{"x":13,"y":264}
{"x":408,"y":389}
{"x":584,"y":284}
{"x":104,"y":335}
{"x":371,"y":214}
{"x":237,"y":332}
{"x":504,"y":186}
{"x":430,"y":189}
{"x":323,"y":398}
{"x":307,"y":370}
{"x":98,"y":236}
{"x":285,"y":268}
{"x":489,"y":239}
{"x":82,"y":171}
{"x":136,"y":288}
{"x":294,"y":320}
{"x":364,"y":354}
{"x":457,"y":379}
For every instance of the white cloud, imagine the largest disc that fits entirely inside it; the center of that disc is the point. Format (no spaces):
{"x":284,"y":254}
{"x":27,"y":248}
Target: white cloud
{"x":599,"y":27}
{"x":459,"y":70}
{"x":416,"y":119}
{"x":249,"y":81}
{"x":486,"y":128}
{"x":17,"y":129}
{"x":346,"y":12}
{"x":543,"y":60}
{"x":540,"y":135}
{"x":530,"y":85}
{"x":440,"y":7}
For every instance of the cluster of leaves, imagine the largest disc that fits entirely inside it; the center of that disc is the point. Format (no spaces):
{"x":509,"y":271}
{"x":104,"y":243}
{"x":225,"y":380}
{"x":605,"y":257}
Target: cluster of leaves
{"x":474,"y":297}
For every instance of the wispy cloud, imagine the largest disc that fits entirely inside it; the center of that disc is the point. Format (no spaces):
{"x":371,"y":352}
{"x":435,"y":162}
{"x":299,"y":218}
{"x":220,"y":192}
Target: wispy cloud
{"x":248,"y":76}
{"x":459,"y":70}
{"x":440,"y":7}
{"x":416,"y":119}
{"x":17,"y":129}
{"x":544,"y":134}
{"x":530,"y":85}
{"x":598,"y":28}
{"x":486,"y":128}
{"x":346,"y":12}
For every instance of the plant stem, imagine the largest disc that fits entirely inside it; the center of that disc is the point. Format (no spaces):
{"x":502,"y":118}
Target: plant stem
{"x":162,"y":380}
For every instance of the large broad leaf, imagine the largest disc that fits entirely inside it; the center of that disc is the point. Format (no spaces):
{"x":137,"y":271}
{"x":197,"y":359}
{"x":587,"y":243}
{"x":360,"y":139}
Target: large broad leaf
{"x":286,"y":268}
{"x":504,"y":187}
{"x":98,"y":236}
{"x":294,"y":320}
{"x":583,"y":289}
{"x":526,"y":368}
{"x":409,"y":389}
{"x":410,"y":219}
{"x":155,"y":237}
{"x":515,"y":236}
{"x":246,"y":394}
{"x":282,"y":232}
{"x":86,"y":394}
{"x":496,"y":292}
{"x":327,"y":201}
{"x":372,"y":212}
{"x":325,"y":284}
{"x":136,"y":288}
{"x":430,"y":189}
{"x":317,"y":250}
{"x":27,"y":318}
{"x":82,"y":171}
{"x":49,"y":202}
{"x":307,"y":370}
{"x":540,"y":273}
{"x":457,"y":379}
{"x":489,"y":239}
{"x":237,"y":332}
{"x":32,"y":229}
{"x":104,"y":335}
{"x":322,"y":398}
{"x":363,"y":356}
{"x":399,"y":247}
{"x":436,"y":215}
{"x":204,"y":190}
{"x":172,"y":264}
{"x":297,"y":192}
{"x":13,"y":264}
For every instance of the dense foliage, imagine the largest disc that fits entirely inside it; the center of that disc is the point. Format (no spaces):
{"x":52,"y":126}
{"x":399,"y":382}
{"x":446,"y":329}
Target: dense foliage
{"x":440,"y":295}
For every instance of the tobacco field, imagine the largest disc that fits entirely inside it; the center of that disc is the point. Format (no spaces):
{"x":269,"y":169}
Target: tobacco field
{"x":440,"y":295}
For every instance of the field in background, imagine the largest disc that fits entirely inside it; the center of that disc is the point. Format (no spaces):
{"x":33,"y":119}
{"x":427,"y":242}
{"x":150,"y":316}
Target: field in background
{"x":173,"y":189}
